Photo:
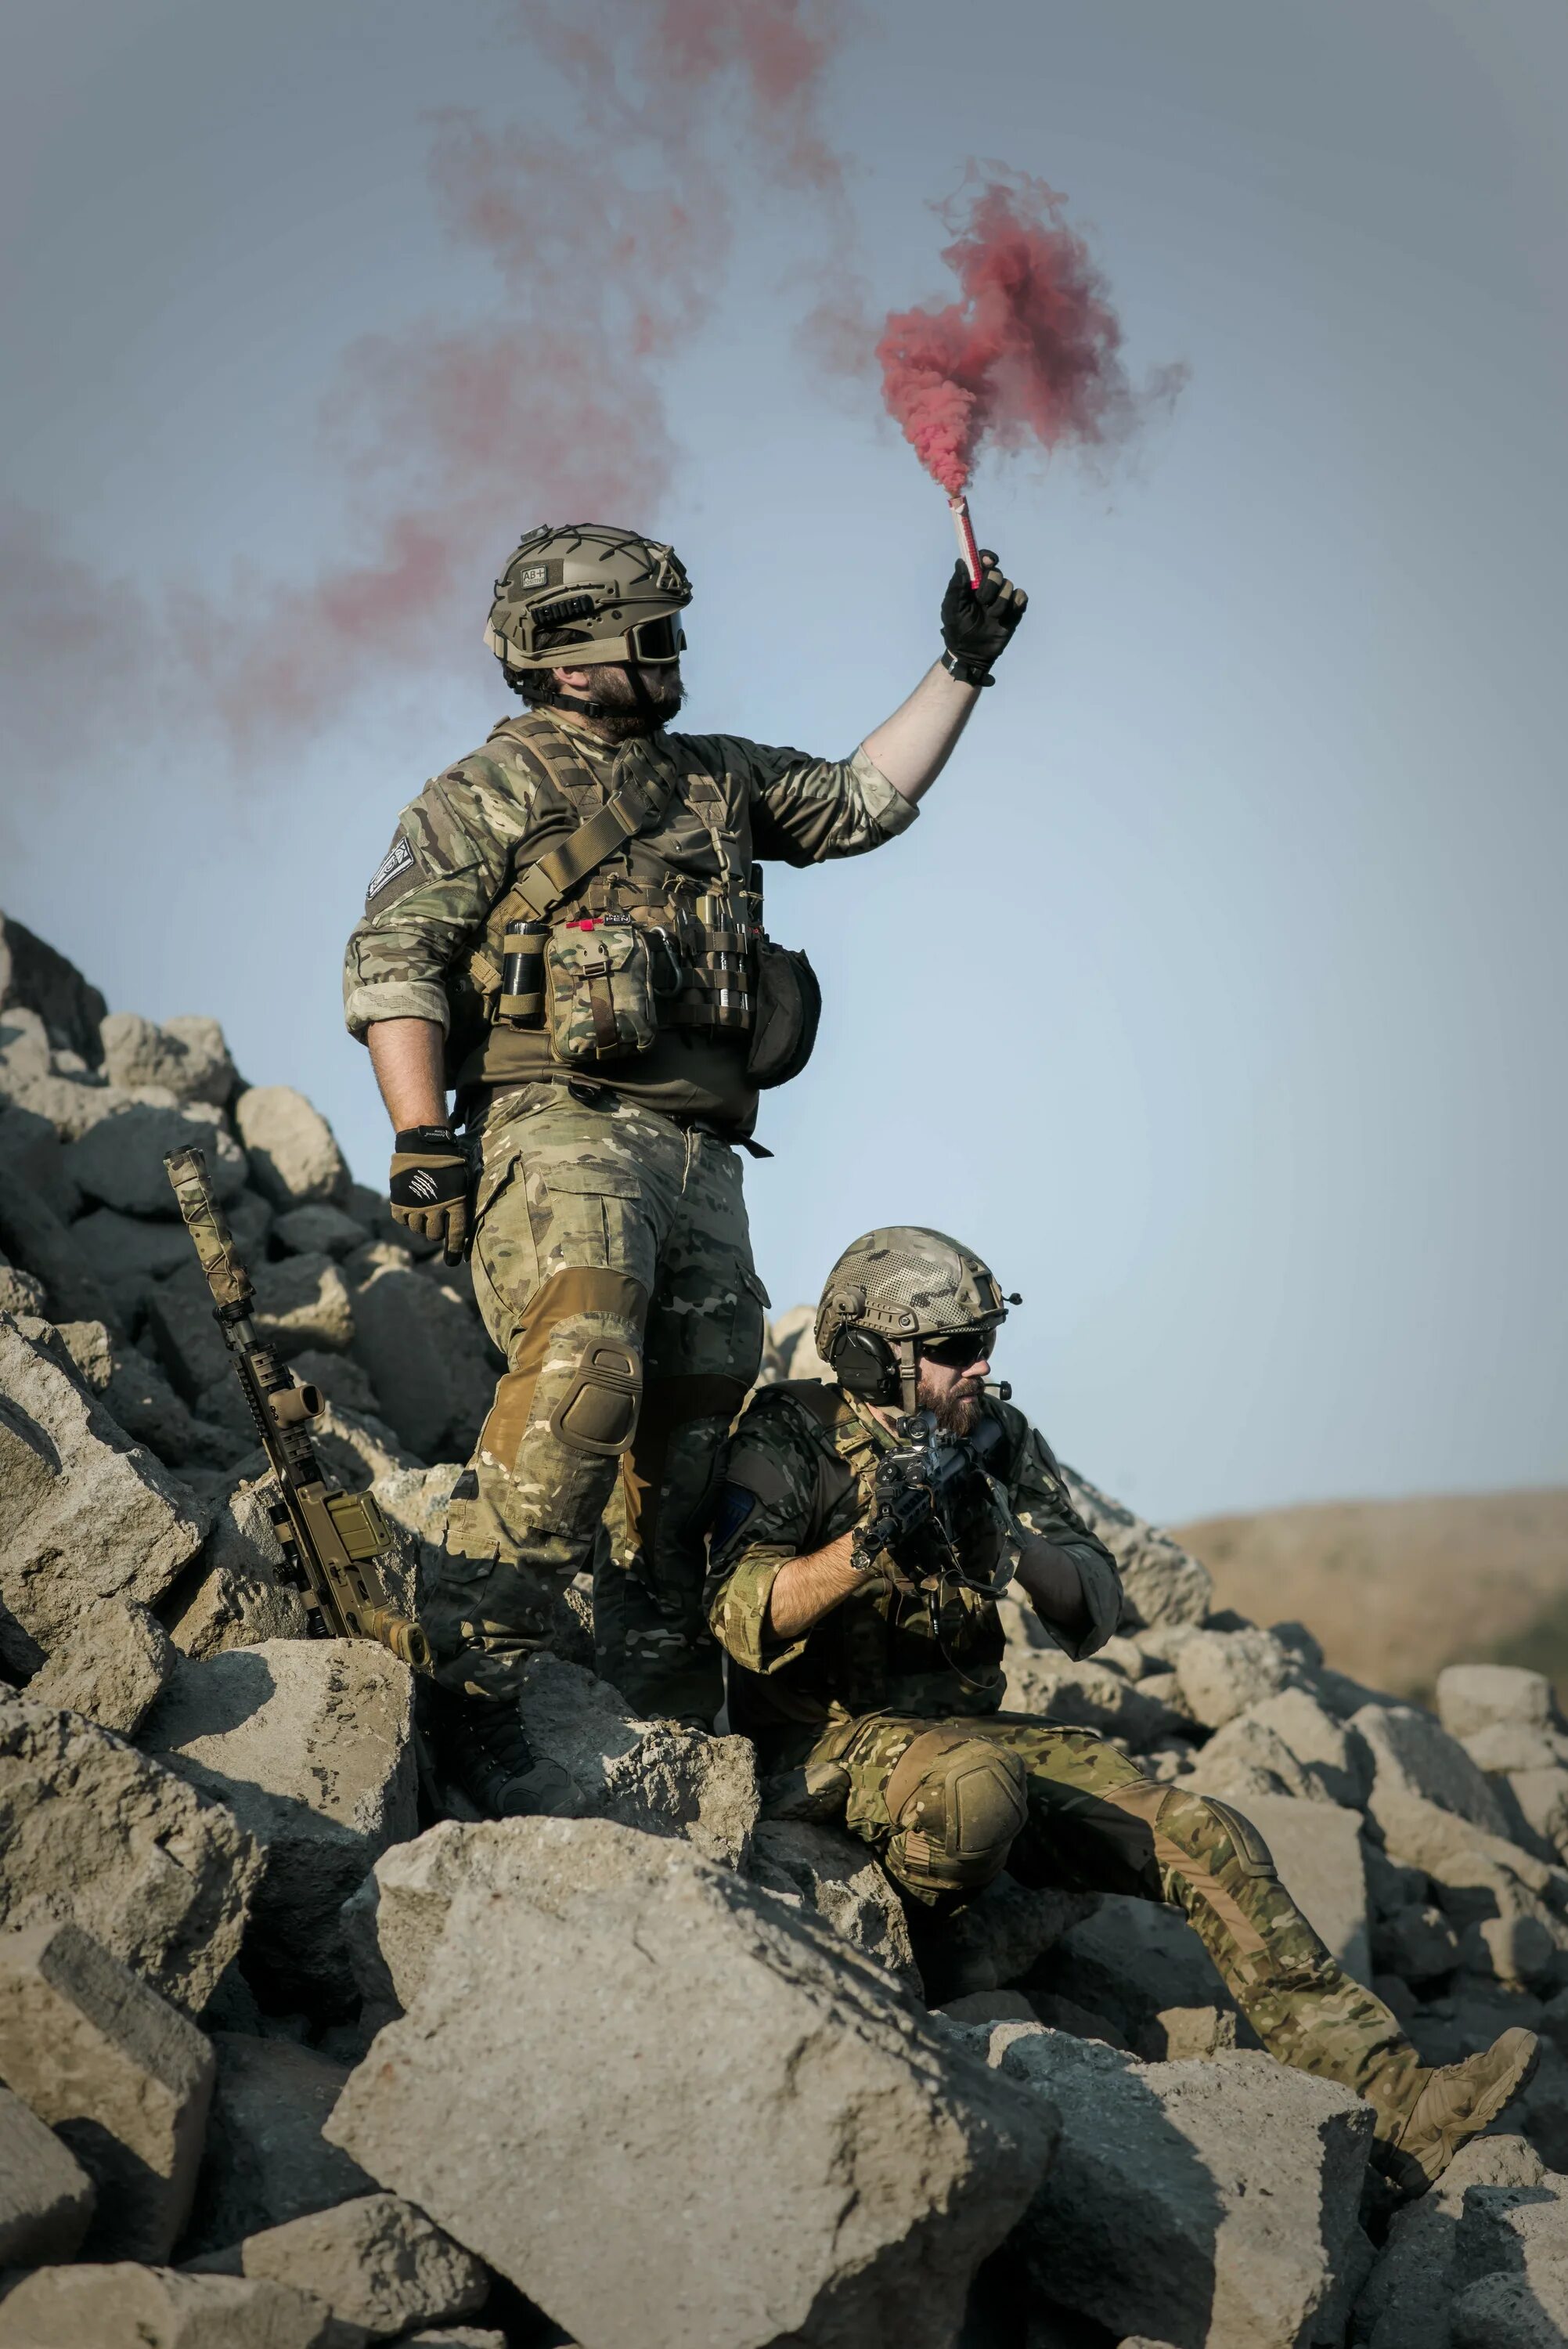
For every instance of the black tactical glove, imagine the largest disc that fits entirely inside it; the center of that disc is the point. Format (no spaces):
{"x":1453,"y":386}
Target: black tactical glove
{"x":977,"y":623}
{"x":430,"y":1187}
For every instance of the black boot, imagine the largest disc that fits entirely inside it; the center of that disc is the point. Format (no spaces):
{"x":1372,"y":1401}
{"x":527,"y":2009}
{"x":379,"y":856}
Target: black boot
{"x":481,"y":1745}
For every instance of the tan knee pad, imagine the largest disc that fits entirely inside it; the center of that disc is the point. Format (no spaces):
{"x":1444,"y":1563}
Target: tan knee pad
{"x":956,"y":1804}
{"x":1217,"y":1851}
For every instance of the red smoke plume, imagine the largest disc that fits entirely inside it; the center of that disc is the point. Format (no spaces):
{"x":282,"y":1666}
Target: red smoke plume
{"x":1031,"y":350}
{"x":609,"y":232}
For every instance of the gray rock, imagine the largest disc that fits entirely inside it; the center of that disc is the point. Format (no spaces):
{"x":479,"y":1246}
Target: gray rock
{"x":458,"y":2336}
{"x":93,"y":1832}
{"x":646,"y":1774}
{"x":833,"y":1877}
{"x":1128,"y":1961}
{"x":188,"y":1056}
{"x":1213,"y":2203}
{"x":1419,"y":1769}
{"x":122,"y":2077}
{"x":113,"y":1245}
{"x":1247,"y":1759}
{"x":1085,"y":1694}
{"x":45,"y":2195}
{"x":1161,"y":1582}
{"x":319,"y":1229}
{"x":113,"y":1666}
{"x":1178,"y":2035}
{"x":158,"y":2308}
{"x":1417,"y":1943}
{"x":304,"y":1302}
{"x":21,"y":1292}
{"x":295,"y":1157}
{"x":1512,"y":2312}
{"x":1404,"y":2303}
{"x":33,"y":1157}
{"x":34,"y":977}
{"x":997,"y":1939}
{"x":424,"y":1353}
{"x":266,"y":2160}
{"x":1476,"y":1697}
{"x":1540,"y":1799}
{"x":886,"y":2168}
{"x":1316,"y":1848}
{"x":340,"y":1379}
{"x":140,"y":1401}
{"x":1222,"y":1674}
{"x":301,"y":1304}
{"x":376,"y":2262}
{"x":310,"y":1744}
{"x":84,"y":1515}
{"x":1505,"y":1746}
{"x":233,"y":1596}
{"x":35,"y":1237}
{"x":119,"y":1160}
{"x":1332,"y":1762}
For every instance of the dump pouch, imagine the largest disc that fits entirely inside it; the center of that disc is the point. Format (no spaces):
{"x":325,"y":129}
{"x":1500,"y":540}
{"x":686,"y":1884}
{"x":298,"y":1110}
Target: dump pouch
{"x":599,"y":992}
{"x":787,"y":1008}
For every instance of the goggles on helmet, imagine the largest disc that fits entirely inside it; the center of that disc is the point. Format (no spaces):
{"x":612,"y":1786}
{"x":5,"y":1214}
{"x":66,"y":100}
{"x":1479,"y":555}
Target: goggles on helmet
{"x":654,"y":641}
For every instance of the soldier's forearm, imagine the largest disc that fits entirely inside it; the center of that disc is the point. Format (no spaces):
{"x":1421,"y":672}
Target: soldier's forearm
{"x":408,"y":1058}
{"x":913,"y":746}
{"x":807,"y":1588}
{"x":1049,"y":1579}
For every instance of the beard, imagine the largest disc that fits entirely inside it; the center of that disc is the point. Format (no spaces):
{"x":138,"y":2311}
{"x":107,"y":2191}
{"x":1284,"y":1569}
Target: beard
{"x":632,"y":705}
{"x":956,"y":1411}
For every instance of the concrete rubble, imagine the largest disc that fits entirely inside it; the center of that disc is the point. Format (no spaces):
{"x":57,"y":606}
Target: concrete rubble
{"x":288,"y":2056}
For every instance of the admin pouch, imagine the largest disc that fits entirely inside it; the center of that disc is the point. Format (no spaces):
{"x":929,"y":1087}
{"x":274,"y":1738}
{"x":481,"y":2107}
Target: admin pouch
{"x":598,"y":991}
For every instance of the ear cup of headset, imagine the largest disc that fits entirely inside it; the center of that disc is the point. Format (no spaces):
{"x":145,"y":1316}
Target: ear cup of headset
{"x":864,"y":1365}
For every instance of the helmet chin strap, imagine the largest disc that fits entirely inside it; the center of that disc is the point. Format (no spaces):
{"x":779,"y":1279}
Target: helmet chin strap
{"x":647,"y":709}
{"x":907,"y":1351}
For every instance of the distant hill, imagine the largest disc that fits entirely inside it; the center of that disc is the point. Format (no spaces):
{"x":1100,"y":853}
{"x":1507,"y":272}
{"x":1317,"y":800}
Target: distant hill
{"x":1397,"y":1590}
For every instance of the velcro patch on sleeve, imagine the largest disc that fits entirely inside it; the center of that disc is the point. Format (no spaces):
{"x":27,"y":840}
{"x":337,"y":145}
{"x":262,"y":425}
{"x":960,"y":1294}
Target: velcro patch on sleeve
{"x":397,"y":864}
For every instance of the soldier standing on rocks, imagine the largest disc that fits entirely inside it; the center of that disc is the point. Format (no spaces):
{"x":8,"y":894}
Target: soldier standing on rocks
{"x":566,"y":932}
{"x":871,"y":1668}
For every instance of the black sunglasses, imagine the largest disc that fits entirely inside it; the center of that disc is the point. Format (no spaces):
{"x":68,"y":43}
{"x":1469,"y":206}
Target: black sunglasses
{"x":957,"y":1353}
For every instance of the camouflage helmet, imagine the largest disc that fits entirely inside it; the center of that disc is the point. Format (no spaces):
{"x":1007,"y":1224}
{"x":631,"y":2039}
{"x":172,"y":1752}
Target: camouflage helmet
{"x":891,"y":1292}
{"x":583,"y":593}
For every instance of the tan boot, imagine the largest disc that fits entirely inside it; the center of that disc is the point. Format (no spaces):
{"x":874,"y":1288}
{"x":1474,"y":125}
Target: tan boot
{"x":1449,"y":2107}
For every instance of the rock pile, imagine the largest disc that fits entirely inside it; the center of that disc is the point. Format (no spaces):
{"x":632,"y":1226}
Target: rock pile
{"x":287,"y":2058}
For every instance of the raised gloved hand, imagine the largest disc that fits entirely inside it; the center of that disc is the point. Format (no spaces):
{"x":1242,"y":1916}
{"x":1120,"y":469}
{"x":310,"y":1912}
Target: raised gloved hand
{"x":430,"y":1187}
{"x":977,"y":623}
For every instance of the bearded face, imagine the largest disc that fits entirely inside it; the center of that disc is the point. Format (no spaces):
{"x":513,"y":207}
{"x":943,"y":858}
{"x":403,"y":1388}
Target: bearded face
{"x":954,"y":1405}
{"x":633,"y":699}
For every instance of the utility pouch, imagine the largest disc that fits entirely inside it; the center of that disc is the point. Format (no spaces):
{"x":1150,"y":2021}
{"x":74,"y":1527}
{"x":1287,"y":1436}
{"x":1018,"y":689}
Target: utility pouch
{"x":599,"y":990}
{"x":787,"y":1008}
{"x":521,"y":998}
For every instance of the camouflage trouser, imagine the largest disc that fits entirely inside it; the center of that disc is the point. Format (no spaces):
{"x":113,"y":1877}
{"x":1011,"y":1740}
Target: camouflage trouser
{"x":613,"y":1267}
{"x":947,"y":1804}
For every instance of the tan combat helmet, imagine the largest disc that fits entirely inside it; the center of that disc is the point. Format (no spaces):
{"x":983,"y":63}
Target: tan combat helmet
{"x":585,"y":594}
{"x":893,"y":1291}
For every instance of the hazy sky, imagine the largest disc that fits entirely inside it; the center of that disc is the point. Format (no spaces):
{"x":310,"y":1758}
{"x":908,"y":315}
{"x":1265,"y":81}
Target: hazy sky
{"x":1218,"y":994}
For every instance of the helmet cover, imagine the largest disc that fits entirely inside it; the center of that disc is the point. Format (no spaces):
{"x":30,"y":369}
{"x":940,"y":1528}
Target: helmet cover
{"x":579,"y":594}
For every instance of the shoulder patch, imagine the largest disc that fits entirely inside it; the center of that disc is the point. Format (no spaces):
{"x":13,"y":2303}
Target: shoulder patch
{"x":398,"y":860}
{"x":734,"y":1506}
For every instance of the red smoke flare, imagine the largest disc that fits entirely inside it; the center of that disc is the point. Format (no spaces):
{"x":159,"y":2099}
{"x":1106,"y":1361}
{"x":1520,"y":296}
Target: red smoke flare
{"x":1031,"y":351}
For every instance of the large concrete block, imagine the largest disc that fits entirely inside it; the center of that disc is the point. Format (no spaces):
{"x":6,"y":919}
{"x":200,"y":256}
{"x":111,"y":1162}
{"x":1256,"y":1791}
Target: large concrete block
{"x":266,"y":2160}
{"x":34,"y":977}
{"x":1316,"y":1848}
{"x":187,"y":1055}
{"x":426,"y":1357}
{"x":113,"y":1666}
{"x":1130,"y":1960}
{"x":837,"y":1881}
{"x":849,"y":2170}
{"x":310,"y":1744}
{"x":1406,"y":2301}
{"x":376,"y":2262}
{"x":1222,"y":1673}
{"x":45,"y":2195}
{"x":112,"y":2307}
{"x":95,"y":1833}
{"x":1085,"y":1694}
{"x":121,"y":2076}
{"x":293,"y":1151}
{"x":84,"y":1514}
{"x":1209,"y":2204}
{"x":646,"y":1774}
{"x":119,"y":1161}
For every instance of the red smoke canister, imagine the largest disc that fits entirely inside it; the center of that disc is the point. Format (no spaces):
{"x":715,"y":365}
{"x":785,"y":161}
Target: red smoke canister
{"x":964,"y":529}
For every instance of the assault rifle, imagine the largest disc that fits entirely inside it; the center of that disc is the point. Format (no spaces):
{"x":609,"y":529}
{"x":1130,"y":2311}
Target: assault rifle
{"x":333,"y":1542}
{"x":931,"y":1497}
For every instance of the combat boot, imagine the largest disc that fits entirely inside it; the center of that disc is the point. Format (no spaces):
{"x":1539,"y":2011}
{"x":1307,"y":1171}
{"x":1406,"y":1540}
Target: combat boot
{"x":481,"y":1747}
{"x":1447,"y":2107}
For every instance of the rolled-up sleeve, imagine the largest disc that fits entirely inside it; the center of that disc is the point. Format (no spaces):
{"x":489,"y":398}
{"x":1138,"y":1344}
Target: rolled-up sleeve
{"x":1041,"y":1506}
{"x":806,"y":811}
{"x":427,"y":899}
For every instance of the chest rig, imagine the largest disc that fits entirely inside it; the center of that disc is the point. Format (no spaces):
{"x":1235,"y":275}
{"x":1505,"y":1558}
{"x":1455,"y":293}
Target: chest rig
{"x":653,"y":852}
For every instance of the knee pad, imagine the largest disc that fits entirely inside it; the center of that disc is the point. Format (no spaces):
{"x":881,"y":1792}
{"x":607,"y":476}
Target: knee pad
{"x":956,"y":1805}
{"x":598,"y":1413}
{"x":1215,"y":1835}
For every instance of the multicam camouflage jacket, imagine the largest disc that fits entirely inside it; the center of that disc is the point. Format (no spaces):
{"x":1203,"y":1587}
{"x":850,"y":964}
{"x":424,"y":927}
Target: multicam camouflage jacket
{"x":798,"y":1475}
{"x":439,"y":892}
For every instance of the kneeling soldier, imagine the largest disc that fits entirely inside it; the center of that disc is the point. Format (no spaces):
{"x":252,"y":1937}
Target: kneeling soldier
{"x":855,"y":1562}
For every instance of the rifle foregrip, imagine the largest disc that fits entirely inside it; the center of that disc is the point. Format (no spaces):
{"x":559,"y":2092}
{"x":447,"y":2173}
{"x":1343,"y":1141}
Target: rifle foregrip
{"x":208,"y":1226}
